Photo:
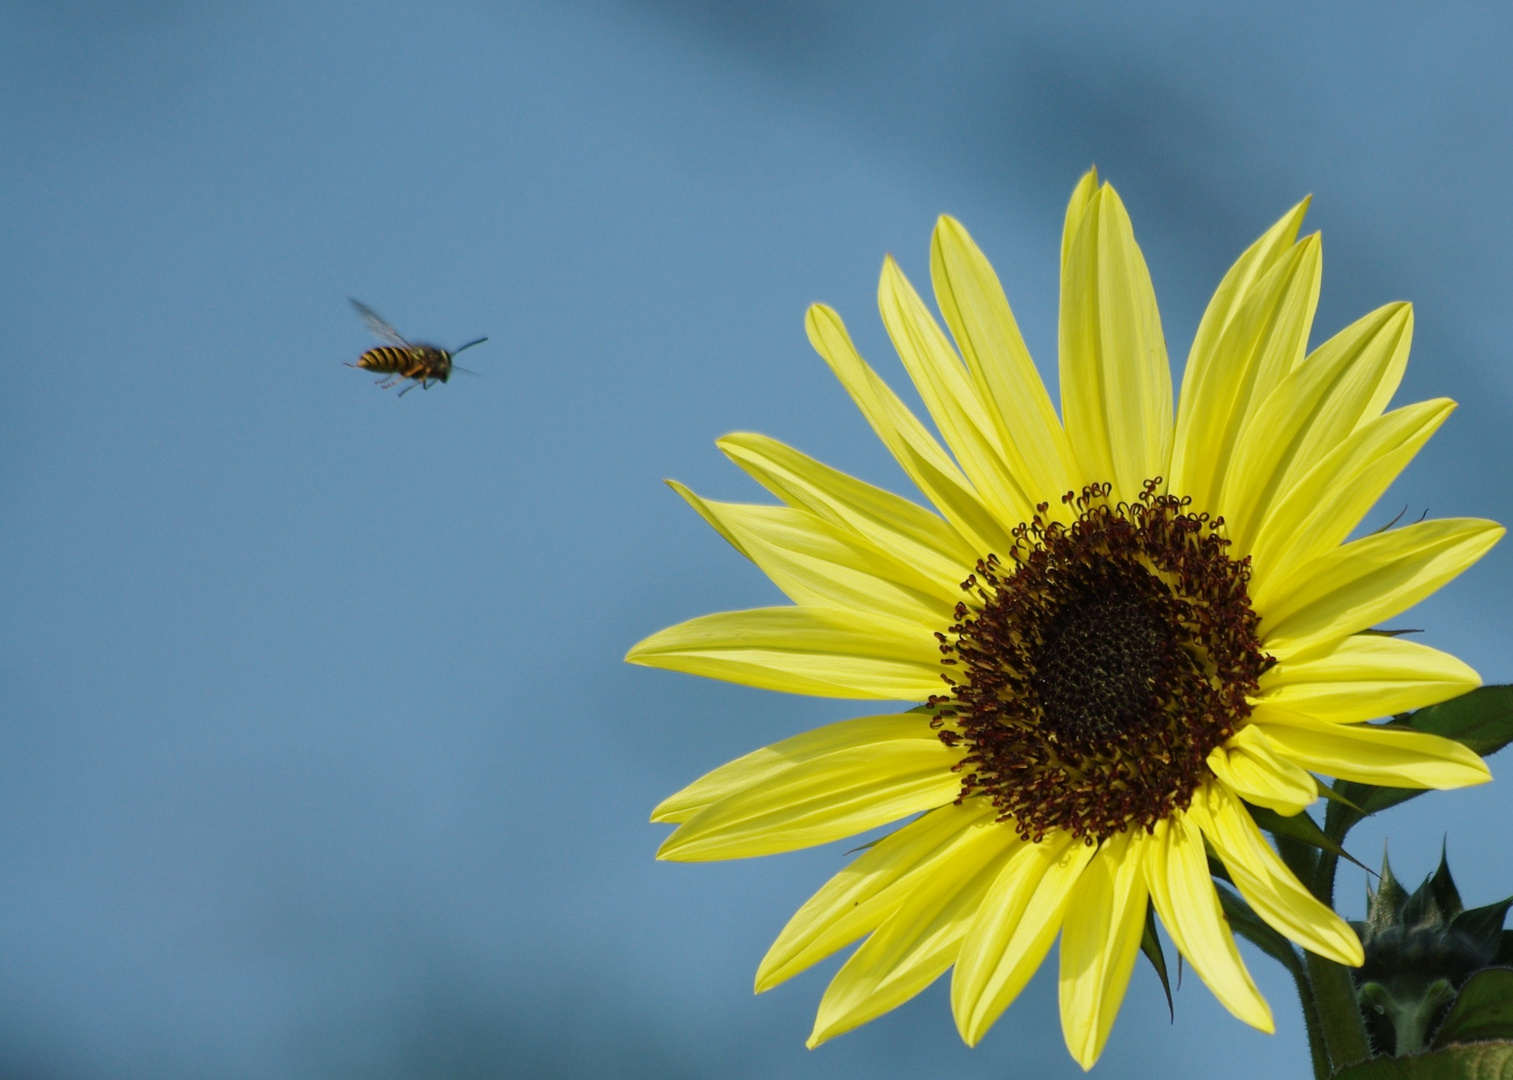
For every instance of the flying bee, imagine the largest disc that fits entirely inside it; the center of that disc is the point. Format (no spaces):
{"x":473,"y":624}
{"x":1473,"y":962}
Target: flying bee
{"x":422,"y":364}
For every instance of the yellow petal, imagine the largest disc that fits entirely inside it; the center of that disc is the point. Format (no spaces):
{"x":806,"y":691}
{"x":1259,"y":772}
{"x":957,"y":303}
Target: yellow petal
{"x":1368,"y":676}
{"x":1254,"y":332}
{"x":1310,"y":413}
{"x":819,"y":565}
{"x":1382,"y":339}
{"x":1013,"y":930}
{"x":1236,"y":289}
{"x":1100,"y":936}
{"x":1252,"y":768}
{"x":857,"y":900}
{"x":1176,"y":868}
{"x":916,"y":944}
{"x":1264,"y":880}
{"x":972,"y":301}
{"x":1116,"y":391}
{"x":951,"y":397}
{"x":1082,"y":198}
{"x":839,"y":794}
{"x":1320,"y":510}
{"x":801,"y":651}
{"x":1392,"y":757}
{"x":1374,"y":578}
{"x":888,"y":522}
{"x":904,"y":436}
{"x":764,"y":764}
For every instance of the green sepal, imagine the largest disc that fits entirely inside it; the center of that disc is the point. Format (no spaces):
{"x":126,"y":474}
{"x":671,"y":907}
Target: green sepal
{"x":1484,"y":925}
{"x":1483,"y":1010}
{"x":1403,"y":1027}
{"x":1481,"y":720}
{"x":1300,"y":827}
{"x":1377,"y":532}
{"x":1437,"y":898}
{"x":1328,"y":793}
{"x":1474,"y":1061}
{"x":1505,"y":950}
{"x":1422,"y":949}
{"x":1384,"y":904}
{"x":1150,"y":945}
{"x":880,"y":838}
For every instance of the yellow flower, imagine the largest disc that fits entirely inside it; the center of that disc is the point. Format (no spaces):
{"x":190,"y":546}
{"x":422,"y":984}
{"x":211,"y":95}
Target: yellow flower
{"x":1124,"y":627}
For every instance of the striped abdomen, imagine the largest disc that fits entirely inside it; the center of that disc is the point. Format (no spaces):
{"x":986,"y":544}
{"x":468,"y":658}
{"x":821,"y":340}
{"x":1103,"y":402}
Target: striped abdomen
{"x":419,"y":362}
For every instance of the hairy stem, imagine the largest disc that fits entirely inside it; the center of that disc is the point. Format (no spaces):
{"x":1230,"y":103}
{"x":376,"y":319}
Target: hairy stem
{"x":1339,"y":1016}
{"x":1318,"y":1053}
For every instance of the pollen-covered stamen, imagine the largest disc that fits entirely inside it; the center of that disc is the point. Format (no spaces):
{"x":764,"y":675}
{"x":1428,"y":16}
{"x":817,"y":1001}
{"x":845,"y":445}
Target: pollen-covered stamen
{"x":1093,"y":675}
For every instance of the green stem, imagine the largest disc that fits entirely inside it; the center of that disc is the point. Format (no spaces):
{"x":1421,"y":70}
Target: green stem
{"x":1339,"y":1016}
{"x":1317,"y":1052}
{"x":1323,"y":878}
{"x":1335,"y":1008}
{"x":1345,"y":1032}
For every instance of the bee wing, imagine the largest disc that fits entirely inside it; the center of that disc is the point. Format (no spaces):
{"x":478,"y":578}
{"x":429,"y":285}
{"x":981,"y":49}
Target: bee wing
{"x":378,"y":326}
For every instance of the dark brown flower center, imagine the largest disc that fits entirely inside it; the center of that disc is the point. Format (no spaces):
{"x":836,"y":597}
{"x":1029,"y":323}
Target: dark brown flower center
{"x":1093,"y":674}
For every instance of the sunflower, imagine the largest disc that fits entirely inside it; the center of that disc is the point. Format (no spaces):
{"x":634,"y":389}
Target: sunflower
{"x":1124,"y":629}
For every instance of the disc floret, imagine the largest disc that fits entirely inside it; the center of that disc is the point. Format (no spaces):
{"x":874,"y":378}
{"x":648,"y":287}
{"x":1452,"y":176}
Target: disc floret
{"x":1095,"y":669}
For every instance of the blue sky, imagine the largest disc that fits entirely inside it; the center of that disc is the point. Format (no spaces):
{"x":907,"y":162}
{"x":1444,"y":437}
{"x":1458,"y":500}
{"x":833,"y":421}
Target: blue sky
{"x":320,"y":759}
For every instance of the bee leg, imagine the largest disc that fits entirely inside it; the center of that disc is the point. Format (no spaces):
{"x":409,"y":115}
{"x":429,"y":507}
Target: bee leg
{"x":407,"y":389}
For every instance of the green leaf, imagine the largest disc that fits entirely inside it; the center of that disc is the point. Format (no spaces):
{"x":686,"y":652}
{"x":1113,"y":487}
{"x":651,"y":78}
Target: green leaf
{"x":1481,"y":720}
{"x":1482,"y":1011}
{"x":1332,"y":795}
{"x":1368,"y":799}
{"x":1300,"y":827}
{"x":1150,"y":945}
{"x":1476,"y":1061}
